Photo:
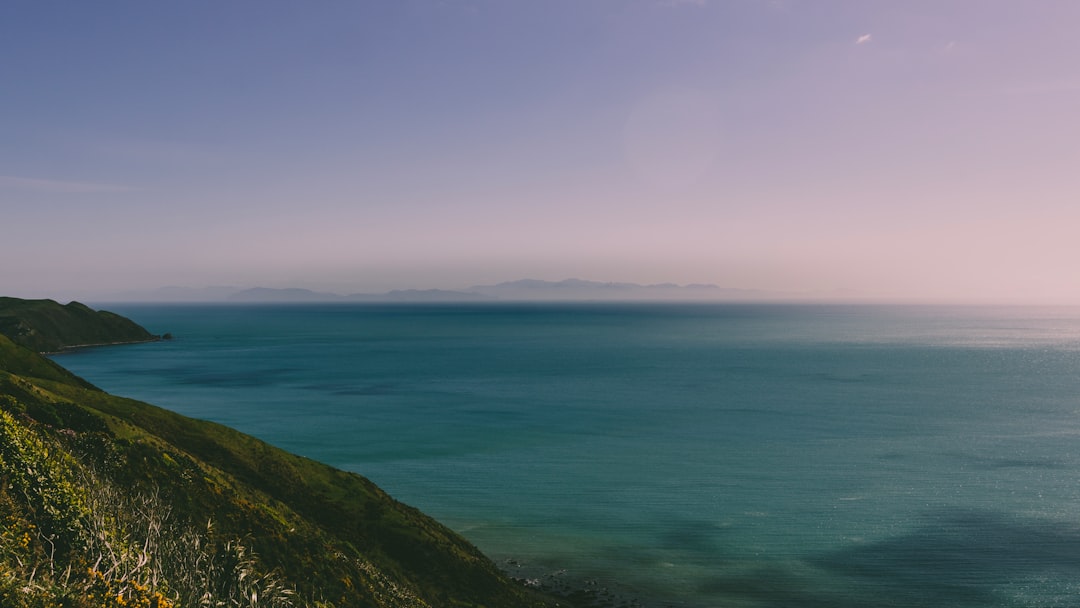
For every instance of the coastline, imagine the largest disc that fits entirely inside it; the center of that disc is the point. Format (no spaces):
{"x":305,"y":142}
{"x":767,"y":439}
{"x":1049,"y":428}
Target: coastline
{"x":75,"y":347}
{"x":581,"y":589}
{"x":577,"y":590}
{"x":580,"y":592}
{"x":401,"y":517}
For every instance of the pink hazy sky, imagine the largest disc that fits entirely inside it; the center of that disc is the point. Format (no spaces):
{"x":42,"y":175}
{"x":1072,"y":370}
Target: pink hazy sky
{"x":899,"y":150}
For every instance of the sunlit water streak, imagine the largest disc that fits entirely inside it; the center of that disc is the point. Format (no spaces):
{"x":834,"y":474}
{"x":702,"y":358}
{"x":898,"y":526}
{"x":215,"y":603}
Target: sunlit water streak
{"x":693,"y":455}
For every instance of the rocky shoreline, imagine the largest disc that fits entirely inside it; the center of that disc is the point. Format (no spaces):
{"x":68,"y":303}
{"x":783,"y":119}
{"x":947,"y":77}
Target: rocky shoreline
{"x":581,"y":591}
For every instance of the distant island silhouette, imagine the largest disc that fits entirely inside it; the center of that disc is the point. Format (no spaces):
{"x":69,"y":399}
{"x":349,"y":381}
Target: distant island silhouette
{"x":518,"y":290}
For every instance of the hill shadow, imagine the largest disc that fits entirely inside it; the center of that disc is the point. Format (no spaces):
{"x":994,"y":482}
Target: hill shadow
{"x":955,"y":558}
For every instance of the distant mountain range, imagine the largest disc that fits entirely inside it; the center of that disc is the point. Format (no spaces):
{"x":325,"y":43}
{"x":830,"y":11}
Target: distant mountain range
{"x":577,"y":289}
{"x":521,"y":290}
{"x":266,"y":294}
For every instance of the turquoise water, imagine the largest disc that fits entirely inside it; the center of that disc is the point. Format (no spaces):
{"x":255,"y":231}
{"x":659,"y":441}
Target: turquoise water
{"x":683,"y":455}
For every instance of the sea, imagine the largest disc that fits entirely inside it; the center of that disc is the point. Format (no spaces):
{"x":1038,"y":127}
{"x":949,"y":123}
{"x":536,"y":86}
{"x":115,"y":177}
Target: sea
{"x":672,"y":455}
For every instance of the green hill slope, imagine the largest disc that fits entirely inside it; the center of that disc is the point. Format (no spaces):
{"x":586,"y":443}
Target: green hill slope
{"x":46,"y":326}
{"x":106,"y":501}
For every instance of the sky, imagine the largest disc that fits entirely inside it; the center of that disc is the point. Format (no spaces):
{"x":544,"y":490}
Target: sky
{"x":915,"y":150}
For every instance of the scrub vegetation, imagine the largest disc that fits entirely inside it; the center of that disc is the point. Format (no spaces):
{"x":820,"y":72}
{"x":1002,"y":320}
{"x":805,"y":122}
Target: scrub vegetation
{"x":109,"y":502}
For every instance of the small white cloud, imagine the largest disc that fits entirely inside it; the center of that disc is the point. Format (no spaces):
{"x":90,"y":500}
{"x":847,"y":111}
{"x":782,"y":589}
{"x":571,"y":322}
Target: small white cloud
{"x":863,"y":39}
{"x":949,"y":47}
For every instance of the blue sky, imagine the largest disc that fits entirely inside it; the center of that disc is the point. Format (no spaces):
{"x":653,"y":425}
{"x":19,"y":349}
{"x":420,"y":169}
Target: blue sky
{"x":916,"y":149}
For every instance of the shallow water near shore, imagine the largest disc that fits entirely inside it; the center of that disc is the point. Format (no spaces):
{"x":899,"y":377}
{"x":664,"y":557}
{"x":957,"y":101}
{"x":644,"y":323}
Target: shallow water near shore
{"x":678,"y":455}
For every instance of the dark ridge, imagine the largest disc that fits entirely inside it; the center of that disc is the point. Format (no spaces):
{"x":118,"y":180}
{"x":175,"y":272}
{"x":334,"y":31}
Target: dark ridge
{"x":47,"y":326}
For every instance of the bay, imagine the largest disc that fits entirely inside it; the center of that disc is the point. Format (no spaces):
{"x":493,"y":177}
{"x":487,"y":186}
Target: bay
{"x":677,"y":455}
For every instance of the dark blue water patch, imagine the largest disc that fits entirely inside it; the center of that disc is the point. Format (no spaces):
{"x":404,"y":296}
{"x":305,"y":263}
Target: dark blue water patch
{"x":965,"y":557}
{"x":353,"y":390}
{"x":233,"y":378}
{"x":703,"y":538}
{"x":955,"y":558}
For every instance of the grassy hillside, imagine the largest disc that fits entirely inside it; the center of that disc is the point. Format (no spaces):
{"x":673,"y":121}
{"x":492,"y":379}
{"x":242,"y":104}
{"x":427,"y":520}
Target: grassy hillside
{"x":106,"y":501}
{"x":46,"y":326}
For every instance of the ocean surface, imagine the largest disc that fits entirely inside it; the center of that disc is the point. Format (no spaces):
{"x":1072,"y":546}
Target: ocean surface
{"x":676,"y":455}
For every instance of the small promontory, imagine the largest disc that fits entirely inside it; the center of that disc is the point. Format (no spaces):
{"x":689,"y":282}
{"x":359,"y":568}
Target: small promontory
{"x":47,"y":326}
